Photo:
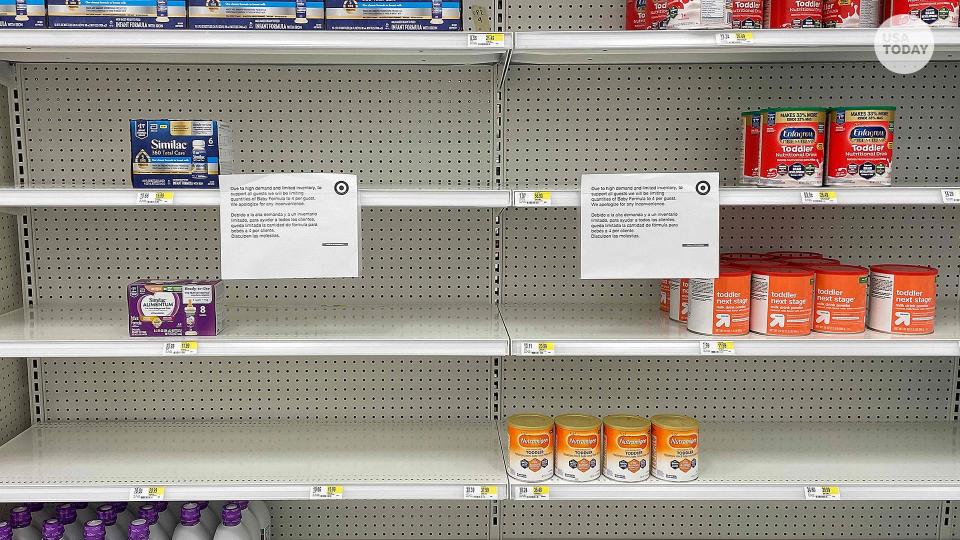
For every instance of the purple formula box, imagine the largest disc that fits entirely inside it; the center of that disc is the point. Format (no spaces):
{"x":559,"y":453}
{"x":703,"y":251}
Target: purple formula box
{"x":171,"y":308}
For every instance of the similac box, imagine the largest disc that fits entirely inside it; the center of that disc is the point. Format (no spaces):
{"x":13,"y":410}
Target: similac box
{"x":165,"y":308}
{"x":22,"y":14}
{"x":179,"y":153}
{"x":123,"y":14}
{"x":256,"y":14}
{"x":394,"y":15}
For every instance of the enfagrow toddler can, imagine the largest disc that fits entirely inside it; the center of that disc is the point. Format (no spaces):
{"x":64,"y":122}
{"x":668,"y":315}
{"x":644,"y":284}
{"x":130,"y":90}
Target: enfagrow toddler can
{"x":903,"y":298}
{"x":720,"y":306}
{"x":676,"y":447}
{"x":936,"y":13}
{"x":698,"y":14}
{"x":851,"y":13}
{"x":679,"y":300}
{"x":578,"y":447}
{"x":780,"y":301}
{"x":659,"y":14}
{"x":792,"y":147}
{"x":626,"y":447}
{"x":793,"y":14}
{"x":860,"y":145}
{"x":750,"y":147}
{"x":638,"y":15}
{"x":531,"y":447}
{"x":840,"y":298}
{"x":747,"y":14}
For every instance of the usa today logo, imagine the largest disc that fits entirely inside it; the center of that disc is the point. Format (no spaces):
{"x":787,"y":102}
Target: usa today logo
{"x":903,"y":44}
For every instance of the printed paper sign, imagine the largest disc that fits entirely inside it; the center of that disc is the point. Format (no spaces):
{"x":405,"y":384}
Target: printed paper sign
{"x":649,"y":225}
{"x":277,"y":226}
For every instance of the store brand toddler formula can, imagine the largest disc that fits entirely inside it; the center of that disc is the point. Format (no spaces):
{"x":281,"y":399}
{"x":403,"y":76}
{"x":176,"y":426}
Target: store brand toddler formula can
{"x":851,"y":13}
{"x":698,"y":14}
{"x":676,"y":447}
{"x":793,"y":14}
{"x":638,"y":15}
{"x":659,"y":14}
{"x":860,"y":146}
{"x":750,"y":147}
{"x":792,"y":147}
{"x":839,"y":298}
{"x":936,"y":13}
{"x":780,"y":301}
{"x":747,"y":14}
{"x":720,"y":306}
{"x":679,"y":307}
{"x":531,"y":447}
{"x":733,"y":257}
{"x":903,"y":298}
{"x":665,"y":295}
{"x":578,"y":447}
{"x":794,"y":254}
{"x":626,"y":447}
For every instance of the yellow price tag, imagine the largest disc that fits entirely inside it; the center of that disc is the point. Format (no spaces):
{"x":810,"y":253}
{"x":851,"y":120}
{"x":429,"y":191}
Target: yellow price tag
{"x":813,"y":493}
{"x":534,"y":493}
{"x":326,"y":492}
{"x":717,"y":347}
{"x":818,"y":197}
{"x":480,"y":492}
{"x":538,"y":348}
{"x":147,"y":493}
{"x":155,"y":197}
{"x":532,"y":198}
{"x":486,"y":39}
{"x":181,"y":348}
{"x":734,"y":38}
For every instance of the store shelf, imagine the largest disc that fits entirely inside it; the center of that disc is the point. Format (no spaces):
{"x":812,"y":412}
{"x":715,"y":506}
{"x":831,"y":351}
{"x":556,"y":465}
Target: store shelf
{"x":16,"y":198}
{"x":629,"y":330}
{"x":246,"y":47}
{"x":701,"y":46}
{"x":71,"y":330}
{"x":745,"y":196}
{"x":275,"y":460}
{"x":770,"y":461}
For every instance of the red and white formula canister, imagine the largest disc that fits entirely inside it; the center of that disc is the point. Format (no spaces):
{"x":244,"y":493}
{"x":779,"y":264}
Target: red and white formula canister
{"x":698,"y":14}
{"x":793,"y":14}
{"x":860,"y":146}
{"x":792,"y":147}
{"x":679,"y":307}
{"x":780,"y":301}
{"x":747,"y":14}
{"x":936,"y":13}
{"x":750,"y":147}
{"x":720,"y":306}
{"x":665,"y":295}
{"x":903,"y":298}
{"x":638,"y":15}
{"x":851,"y":13}
{"x":658,"y":15}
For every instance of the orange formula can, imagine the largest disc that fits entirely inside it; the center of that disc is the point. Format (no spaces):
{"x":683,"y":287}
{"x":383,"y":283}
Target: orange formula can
{"x":578,"y":447}
{"x":678,"y":299}
{"x":626,"y":447}
{"x":665,"y":295}
{"x":780,"y":301}
{"x":903,"y":298}
{"x":839,"y":298}
{"x":795,"y":254}
{"x":676,"y":447}
{"x":734,"y":257}
{"x":720,"y":306}
{"x":531,"y":447}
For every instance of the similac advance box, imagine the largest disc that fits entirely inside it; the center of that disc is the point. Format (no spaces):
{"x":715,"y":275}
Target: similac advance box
{"x":394,"y":15}
{"x":256,"y":14}
{"x":179,"y":153}
{"x":163,"y":308}
{"x":22,"y":14}
{"x":127,"y":14}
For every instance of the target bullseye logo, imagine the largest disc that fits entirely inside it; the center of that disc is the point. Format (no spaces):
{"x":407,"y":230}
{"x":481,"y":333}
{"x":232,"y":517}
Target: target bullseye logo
{"x":703,"y":187}
{"x":341,"y":188}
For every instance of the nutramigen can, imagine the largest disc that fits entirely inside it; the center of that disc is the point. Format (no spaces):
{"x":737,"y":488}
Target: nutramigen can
{"x":792,"y":147}
{"x":626,"y":447}
{"x":860,"y":146}
{"x":676,"y":447}
{"x":578,"y":447}
{"x":531,"y":447}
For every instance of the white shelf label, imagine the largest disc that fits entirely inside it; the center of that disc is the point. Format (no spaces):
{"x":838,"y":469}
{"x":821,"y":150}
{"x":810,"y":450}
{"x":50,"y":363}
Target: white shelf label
{"x":815,"y":493}
{"x":319,"y":493}
{"x":818,"y":197}
{"x":147,"y":493}
{"x":532,"y":198}
{"x":950,"y":196}
{"x":486,"y":39}
{"x":537,"y":348}
{"x":155,"y":197}
{"x":480,"y":492}
{"x":534,"y":493}
{"x":717,"y":347}
{"x":734,"y":38}
{"x":180,"y":348}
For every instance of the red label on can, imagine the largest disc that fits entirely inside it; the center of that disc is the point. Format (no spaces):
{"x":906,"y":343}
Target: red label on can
{"x":850,"y":13}
{"x":638,"y":15}
{"x":791,"y":147}
{"x":861,"y":147}
{"x":747,"y":14}
{"x":793,"y":14}
{"x":937,"y":13}
{"x":750,"y":150}
{"x":659,"y":14}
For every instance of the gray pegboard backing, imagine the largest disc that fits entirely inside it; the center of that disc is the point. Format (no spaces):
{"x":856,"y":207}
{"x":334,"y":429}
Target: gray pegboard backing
{"x":14,"y":398}
{"x":563,"y":121}
{"x":407,"y":254}
{"x":422,"y":126}
{"x":734,"y":388}
{"x":6,"y":140}
{"x":557,"y":520}
{"x":541,"y":247}
{"x":325,"y":388}
{"x":299,"y":521}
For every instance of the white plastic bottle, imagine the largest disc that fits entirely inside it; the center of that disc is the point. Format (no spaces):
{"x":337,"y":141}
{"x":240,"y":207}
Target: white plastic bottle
{"x":231,"y":526}
{"x":67,"y":515}
{"x":190,"y":526}
{"x":208,"y":518}
{"x":166,"y":518}
{"x":123,"y":516}
{"x":108,"y":516}
{"x":85,"y":512}
{"x":260,"y":509}
{"x":250,"y":521}
{"x":139,"y":530}
{"x":20,"y":523}
{"x":148,"y":513}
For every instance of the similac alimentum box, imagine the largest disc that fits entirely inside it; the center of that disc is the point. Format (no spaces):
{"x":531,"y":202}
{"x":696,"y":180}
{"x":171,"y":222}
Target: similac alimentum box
{"x":22,"y":14}
{"x":256,"y":14}
{"x":125,"y":14}
{"x":394,"y":15}
{"x":179,"y":153}
{"x":183,"y":307}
